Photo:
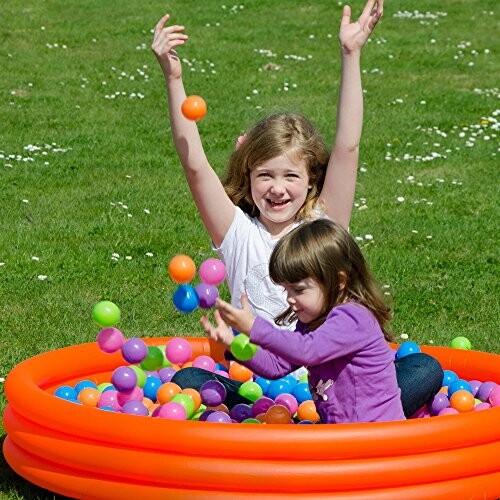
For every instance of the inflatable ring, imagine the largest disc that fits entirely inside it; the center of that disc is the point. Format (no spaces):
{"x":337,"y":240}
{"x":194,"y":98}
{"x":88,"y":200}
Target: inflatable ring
{"x":81,"y":452}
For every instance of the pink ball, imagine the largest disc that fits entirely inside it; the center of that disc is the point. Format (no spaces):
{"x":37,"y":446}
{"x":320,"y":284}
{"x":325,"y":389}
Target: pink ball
{"x":205,"y":362}
{"x":110,"y":339}
{"x":288,"y":401}
{"x":109,"y":398}
{"x":494,"y":398}
{"x":178,"y":351}
{"x":422,"y":412}
{"x":173,"y":411}
{"x":447,"y":411}
{"x":212,"y":271}
{"x":481,"y":406}
{"x":136,"y":394}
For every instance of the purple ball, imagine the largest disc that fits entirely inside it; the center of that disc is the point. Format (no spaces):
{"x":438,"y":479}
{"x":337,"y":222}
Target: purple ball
{"x":262,"y":405}
{"x":207,"y":295}
{"x":134,"y":350}
{"x":474,"y":385}
{"x":438,"y":403}
{"x":240,"y":412}
{"x":219,"y":417}
{"x":135,"y":408}
{"x":166,"y":374}
{"x":483,"y":393}
{"x":205,"y":415}
{"x":213,"y":393}
{"x":124,"y":378}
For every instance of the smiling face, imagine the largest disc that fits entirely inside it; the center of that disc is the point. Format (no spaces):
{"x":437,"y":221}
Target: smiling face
{"x":279,"y":189}
{"x":306,"y":298}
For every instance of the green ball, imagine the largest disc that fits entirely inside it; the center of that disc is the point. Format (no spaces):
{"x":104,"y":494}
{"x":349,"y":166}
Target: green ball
{"x":103,"y":386}
{"x":166,"y":363}
{"x":461,"y":343}
{"x":106,"y":313}
{"x":242,"y":349}
{"x":250,"y":421}
{"x":141,"y":376}
{"x":250,"y":390}
{"x":304,"y":377}
{"x":185,"y":401}
{"x":154,"y":360}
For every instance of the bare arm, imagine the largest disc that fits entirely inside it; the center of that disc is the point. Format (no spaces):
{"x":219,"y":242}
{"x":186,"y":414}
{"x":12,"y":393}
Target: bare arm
{"x":340,"y":181}
{"x":215,"y":207}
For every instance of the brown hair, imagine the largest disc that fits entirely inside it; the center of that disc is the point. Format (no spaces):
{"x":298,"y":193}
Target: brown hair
{"x":324,"y":251}
{"x":275,"y":135}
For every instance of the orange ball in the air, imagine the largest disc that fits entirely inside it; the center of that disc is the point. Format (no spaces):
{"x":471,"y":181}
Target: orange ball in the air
{"x":182,"y":268}
{"x":194,"y":108}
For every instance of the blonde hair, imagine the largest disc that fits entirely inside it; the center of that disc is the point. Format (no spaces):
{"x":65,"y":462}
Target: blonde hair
{"x":277,"y":134}
{"x":324,"y":251}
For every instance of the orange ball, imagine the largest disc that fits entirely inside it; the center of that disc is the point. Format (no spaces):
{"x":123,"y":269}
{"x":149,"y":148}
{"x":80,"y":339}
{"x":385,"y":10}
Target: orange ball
{"x":182,"y":269}
{"x":307,"y":411}
{"x":462,"y":401}
{"x":148,"y":403}
{"x":166,"y":392}
{"x":89,"y":396}
{"x":277,"y":414}
{"x":240,"y":372}
{"x":222,"y":407}
{"x":194,"y":108}
{"x":194,"y":395}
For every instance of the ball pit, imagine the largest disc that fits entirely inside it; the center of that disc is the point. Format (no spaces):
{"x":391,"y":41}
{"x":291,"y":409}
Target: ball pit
{"x":83,"y":452}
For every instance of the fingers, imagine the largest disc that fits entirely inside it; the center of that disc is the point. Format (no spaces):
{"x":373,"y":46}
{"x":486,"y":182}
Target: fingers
{"x":367,"y":11}
{"x":346,"y":16}
{"x":161,"y":23}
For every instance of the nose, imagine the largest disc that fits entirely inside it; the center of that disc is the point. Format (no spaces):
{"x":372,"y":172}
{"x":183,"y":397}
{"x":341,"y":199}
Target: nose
{"x":290,"y":299}
{"x":278,"y":187}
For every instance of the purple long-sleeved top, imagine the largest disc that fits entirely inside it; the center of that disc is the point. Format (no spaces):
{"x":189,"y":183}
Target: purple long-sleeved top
{"x":352,"y":376}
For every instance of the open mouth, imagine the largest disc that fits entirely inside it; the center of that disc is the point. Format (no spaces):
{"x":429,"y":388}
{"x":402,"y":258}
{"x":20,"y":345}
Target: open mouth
{"x":278,"y":204}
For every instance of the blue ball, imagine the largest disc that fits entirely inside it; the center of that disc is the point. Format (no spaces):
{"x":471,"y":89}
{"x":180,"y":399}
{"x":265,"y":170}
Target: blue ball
{"x":186,"y":299}
{"x":66,"y":392}
{"x":291,"y":379}
{"x":407,"y":348}
{"x":151,"y":387}
{"x":302,"y":422}
{"x":278,"y":387}
{"x":301,"y":392}
{"x":83,"y":384}
{"x":458,"y":385}
{"x":449,"y":377}
{"x":264,"y":384}
{"x":220,"y":366}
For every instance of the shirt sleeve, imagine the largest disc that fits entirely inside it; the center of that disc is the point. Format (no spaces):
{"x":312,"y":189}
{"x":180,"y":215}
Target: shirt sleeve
{"x":346,"y":330}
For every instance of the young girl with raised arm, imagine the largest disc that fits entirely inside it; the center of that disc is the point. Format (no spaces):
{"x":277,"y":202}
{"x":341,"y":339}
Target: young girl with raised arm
{"x":282,"y":173}
{"x":341,"y":329}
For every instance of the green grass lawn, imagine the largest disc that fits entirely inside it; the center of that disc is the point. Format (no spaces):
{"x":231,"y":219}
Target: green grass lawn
{"x":93,"y":202}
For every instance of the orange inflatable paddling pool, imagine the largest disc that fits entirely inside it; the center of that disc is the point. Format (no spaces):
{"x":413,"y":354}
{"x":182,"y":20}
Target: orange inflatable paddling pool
{"x":82,"y":452}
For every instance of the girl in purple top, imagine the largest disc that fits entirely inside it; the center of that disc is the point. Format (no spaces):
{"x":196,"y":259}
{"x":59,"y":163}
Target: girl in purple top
{"x":341,"y":335}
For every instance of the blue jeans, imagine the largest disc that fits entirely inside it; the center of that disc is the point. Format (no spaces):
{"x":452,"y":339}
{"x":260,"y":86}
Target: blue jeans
{"x":419,"y":377}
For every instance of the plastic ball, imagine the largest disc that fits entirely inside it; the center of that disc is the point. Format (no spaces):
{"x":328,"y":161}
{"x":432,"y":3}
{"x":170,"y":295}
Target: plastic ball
{"x":89,"y":396}
{"x":194,"y":108}
{"x":494,"y":397}
{"x":83,"y":384}
{"x":407,"y":348}
{"x":207,"y":295}
{"x":261,"y":405}
{"x":241,"y":347}
{"x":307,"y":411}
{"x":212,"y":271}
{"x":124,"y":378}
{"x":110,"y":339}
{"x":134,"y":350}
{"x":250,"y":390}
{"x":438,"y":402}
{"x":182,"y":268}
{"x":172,"y":411}
{"x":178,"y":351}
{"x":151,"y":387}
{"x":239,"y":372}
{"x":422,"y":412}
{"x":166,"y":374}
{"x":449,"y":377}
{"x":264,"y":384}
{"x":167,"y":391}
{"x":186,"y":299}
{"x":278,"y":387}
{"x":194,"y":395}
{"x":135,"y":408}
{"x":288,"y":401}
{"x":153,"y":360}
{"x":106,"y":313}
{"x":448,"y":411}
{"x":462,"y":401}
{"x":482,"y":406}
{"x":219,"y":417}
{"x":302,"y":392}
{"x":141,"y":375}
{"x":241,"y":412}
{"x":291,"y":380}
{"x":105,"y":386}
{"x":458,"y":385}
{"x":474,"y":386}
{"x":136,"y":394}
{"x":204,"y":362}
{"x":213,"y":393}
{"x":109,"y":399}
{"x":461,"y":343}
{"x":250,"y":421}
{"x":66,"y":392}
{"x":483,"y":393}
{"x":277,"y":414}
{"x":185,"y":401}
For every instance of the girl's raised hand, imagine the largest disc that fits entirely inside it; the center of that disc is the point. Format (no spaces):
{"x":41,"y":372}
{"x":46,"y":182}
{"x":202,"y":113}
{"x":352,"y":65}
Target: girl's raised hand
{"x":165,"y":39}
{"x":219,"y":333}
{"x":353,"y":36}
{"x":240,"y":319}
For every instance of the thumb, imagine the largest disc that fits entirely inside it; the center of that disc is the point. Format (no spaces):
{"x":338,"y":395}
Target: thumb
{"x":244,"y":301}
{"x":346,"y":16}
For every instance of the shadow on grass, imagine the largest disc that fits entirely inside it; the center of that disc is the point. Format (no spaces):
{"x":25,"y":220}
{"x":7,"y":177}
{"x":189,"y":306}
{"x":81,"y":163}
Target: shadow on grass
{"x":13,"y":486}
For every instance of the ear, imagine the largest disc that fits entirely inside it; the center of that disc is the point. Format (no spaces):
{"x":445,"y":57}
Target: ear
{"x":342,"y":280}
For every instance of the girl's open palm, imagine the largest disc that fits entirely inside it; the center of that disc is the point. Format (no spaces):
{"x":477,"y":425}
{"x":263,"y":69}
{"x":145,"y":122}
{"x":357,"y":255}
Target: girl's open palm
{"x":353,"y":36}
{"x":165,"y":39}
{"x":219,"y":332}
